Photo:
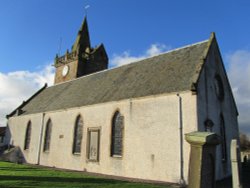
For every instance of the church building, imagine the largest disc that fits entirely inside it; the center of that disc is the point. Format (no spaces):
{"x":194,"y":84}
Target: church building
{"x":129,"y":121}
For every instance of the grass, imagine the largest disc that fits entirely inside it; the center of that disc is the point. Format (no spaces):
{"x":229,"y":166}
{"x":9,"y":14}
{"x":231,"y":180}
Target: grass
{"x":16,"y":175}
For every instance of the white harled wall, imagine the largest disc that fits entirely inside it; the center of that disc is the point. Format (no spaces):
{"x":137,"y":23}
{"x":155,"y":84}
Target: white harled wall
{"x":16,"y":134}
{"x":151,"y":145}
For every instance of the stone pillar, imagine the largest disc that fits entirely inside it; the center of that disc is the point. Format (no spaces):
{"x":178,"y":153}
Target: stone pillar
{"x":202,"y":159}
{"x":235,"y":161}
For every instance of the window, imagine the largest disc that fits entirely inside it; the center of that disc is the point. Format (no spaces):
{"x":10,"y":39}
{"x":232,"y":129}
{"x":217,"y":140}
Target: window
{"x":219,"y":90}
{"x":47,"y":136}
{"x":78,"y":135}
{"x":209,"y":125}
{"x":117,"y":134}
{"x":27,"y":136}
{"x":223,"y":139}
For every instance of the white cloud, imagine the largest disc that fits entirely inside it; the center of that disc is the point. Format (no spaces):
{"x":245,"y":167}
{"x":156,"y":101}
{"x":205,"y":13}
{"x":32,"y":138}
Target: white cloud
{"x":239,"y":76}
{"x":125,"y":57}
{"x":20,"y":85}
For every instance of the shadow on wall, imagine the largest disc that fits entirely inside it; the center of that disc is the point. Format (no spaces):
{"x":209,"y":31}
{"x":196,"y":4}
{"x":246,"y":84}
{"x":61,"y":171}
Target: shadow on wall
{"x":9,"y":152}
{"x":13,"y":154}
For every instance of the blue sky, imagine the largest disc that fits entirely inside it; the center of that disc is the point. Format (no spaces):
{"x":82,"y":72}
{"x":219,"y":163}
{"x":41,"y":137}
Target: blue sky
{"x":31,"y":30}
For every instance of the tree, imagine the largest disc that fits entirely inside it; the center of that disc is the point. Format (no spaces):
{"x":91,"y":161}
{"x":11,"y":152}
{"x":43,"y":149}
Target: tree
{"x":244,"y":142}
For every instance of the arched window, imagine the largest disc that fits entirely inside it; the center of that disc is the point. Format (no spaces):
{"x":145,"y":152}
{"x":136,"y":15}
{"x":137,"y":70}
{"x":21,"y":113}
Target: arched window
{"x":27,"y":136}
{"x":47,"y":136}
{"x":219,"y":90}
{"x":223,"y":139}
{"x":117,"y":134}
{"x":78,"y":135}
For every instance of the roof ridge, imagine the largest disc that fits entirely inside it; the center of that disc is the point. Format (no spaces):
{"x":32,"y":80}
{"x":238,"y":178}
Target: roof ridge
{"x":199,"y":67}
{"x":113,"y":68}
{"x":163,"y":74}
{"x":170,"y":51}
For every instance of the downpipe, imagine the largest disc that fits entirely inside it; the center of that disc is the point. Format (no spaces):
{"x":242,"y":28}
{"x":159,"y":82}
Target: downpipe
{"x":182,"y":180}
{"x":40,"y":140}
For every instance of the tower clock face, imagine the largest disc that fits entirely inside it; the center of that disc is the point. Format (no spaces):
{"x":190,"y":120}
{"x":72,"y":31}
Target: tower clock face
{"x":65,"y":70}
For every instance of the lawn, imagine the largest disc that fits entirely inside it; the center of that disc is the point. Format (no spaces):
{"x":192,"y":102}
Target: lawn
{"x":16,"y":175}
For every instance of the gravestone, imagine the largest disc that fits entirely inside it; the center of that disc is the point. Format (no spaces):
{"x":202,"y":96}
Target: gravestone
{"x":235,"y":164}
{"x":202,"y":159}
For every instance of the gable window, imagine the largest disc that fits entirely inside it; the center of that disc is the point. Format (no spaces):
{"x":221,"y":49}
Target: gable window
{"x":47,"y":136}
{"x":27,"y":136}
{"x":78,"y":135}
{"x":117,"y":134}
{"x":209,"y":125}
{"x":223,"y":139}
{"x":219,"y":90}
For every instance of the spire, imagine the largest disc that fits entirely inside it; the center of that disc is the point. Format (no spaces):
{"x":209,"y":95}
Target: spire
{"x":82,"y":40}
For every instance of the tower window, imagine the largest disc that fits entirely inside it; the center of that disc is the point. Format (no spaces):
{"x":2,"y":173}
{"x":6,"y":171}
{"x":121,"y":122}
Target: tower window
{"x":27,"y":136}
{"x":78,"y":135}
{"x":47,"y":136}
{"x":117,"y":134}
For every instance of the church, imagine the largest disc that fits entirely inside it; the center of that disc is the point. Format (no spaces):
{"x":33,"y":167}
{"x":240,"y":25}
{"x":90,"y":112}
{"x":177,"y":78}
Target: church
{"x":129,"y":121}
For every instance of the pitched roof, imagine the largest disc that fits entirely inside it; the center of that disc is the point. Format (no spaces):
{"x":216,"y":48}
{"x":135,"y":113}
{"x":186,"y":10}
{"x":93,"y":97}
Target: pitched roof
{"x":172,"y":71}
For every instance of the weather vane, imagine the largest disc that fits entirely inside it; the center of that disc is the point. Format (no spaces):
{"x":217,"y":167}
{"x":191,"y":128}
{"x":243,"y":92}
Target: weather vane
{"x":86,"y":8}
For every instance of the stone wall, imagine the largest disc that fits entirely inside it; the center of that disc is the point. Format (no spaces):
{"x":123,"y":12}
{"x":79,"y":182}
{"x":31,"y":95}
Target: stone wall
{"x":72,"y":74}
{"x":212,"y":107}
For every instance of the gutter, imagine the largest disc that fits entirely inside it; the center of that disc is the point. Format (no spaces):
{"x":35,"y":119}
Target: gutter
{"x":40,"y":140}
{"x":182,"y":180}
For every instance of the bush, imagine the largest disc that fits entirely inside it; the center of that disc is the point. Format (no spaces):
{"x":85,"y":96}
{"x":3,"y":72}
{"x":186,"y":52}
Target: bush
{"x":244,"y":142}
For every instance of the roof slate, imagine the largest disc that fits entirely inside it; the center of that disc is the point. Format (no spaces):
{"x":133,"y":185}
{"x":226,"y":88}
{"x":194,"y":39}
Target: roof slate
{"x":172,"y":71}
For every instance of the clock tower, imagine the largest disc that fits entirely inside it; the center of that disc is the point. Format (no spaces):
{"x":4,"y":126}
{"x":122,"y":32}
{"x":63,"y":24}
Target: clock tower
{"x":82,"y":59}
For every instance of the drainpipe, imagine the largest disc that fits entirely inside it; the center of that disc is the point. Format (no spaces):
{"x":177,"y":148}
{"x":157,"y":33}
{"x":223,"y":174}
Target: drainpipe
{"x":182,"y":180}
{"x":40,"y":140}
